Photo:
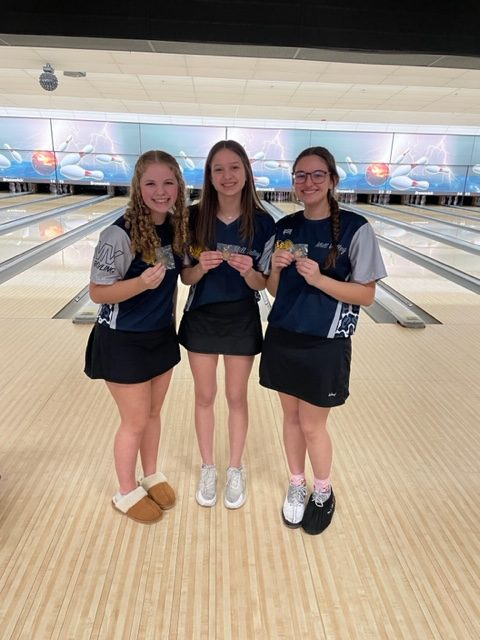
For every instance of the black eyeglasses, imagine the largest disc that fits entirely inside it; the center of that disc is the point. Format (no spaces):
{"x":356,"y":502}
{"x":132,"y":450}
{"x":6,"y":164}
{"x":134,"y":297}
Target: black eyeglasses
{"x":317,"y":177}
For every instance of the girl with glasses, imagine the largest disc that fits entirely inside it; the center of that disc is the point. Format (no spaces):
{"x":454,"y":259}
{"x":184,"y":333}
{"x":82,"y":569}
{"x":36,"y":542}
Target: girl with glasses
{"x":325,"y":265}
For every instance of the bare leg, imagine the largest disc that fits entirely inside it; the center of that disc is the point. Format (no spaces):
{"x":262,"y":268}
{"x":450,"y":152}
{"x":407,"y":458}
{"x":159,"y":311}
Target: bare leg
{"x":133,"y":402}
{"x":151,"y":436}
{"x":237,"y":372}
{"x":313,"y":421}
{"x":293,"y":436}
{"x":204,"y":371}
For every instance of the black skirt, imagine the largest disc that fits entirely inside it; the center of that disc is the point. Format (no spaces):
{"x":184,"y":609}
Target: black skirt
{"x":228,"y":328}
{"x":313,"y":369}
{"x":129,"y":357}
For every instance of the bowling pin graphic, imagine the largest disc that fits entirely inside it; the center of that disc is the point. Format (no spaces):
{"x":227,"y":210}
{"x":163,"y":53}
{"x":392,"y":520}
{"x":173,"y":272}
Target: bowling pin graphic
{"x":271,"y":164}
{"x":399,"y":158}
{"x":15,"y":155}
{"x":351,"y":167}
{"x":189,"y":163}
{"x":74,"y":158}
{"x":64,"y":144}
{"x":402,"y":170}
{"x":76,"y":172}
{"x":421,"y":185}
{"x":261,"y":181}
{"x":433,"y":168}
{"x":70,"y":158}
{"x":105,"y":158}
{"x":402,"y":183}
{"x":4,"y":162}
{"x":341,"y":173}
{"x":405,"y":169}
{"x":476,"y":169}
{"x":260,"y":155}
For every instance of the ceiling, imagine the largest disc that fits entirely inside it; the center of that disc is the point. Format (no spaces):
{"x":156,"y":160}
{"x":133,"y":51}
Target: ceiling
{"x":207,"y":82}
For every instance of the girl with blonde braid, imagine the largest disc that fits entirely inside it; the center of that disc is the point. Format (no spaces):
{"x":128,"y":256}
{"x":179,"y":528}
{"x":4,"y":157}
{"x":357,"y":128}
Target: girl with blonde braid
{"x":325,"y":266}
{"x":133,"y":345}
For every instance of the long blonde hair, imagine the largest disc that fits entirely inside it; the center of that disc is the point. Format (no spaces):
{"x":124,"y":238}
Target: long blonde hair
{"x":144,"y":238}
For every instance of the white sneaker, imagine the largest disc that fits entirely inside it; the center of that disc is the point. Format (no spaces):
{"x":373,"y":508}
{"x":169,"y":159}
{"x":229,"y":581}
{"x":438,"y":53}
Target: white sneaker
{"x":206,"y":495}
{"x":235,"y":490}
{"x":294,"y":505}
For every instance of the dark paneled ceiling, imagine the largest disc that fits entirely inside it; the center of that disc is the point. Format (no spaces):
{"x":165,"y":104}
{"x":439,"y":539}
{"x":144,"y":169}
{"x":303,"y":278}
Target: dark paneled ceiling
{"x":423,"y":26}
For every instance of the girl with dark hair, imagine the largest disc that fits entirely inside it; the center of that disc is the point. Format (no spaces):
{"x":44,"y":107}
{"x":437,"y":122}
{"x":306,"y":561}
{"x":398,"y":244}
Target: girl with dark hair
{"x":232,"y":241}
{"x":325,"y":265}
{"x":133,"y":345}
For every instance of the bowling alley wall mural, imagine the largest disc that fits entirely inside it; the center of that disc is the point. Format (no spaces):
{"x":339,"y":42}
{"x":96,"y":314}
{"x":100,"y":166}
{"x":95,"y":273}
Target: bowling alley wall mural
{"x":104,"y":153}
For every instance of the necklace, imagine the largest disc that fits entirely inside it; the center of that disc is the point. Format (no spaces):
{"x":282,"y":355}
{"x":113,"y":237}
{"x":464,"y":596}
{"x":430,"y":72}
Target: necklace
{"x":227,"y":216}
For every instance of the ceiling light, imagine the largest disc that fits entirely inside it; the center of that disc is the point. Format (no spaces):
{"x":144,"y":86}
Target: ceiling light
{"x":48,"y":80}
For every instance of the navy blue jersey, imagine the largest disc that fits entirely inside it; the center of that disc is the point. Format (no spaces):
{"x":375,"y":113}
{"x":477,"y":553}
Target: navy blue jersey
{"x":113,"y":260}
{"x":224,"y":283}
{"x":301,"y":307}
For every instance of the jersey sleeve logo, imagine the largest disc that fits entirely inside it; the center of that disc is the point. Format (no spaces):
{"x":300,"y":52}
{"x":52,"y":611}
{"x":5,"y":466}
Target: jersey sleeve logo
{"x":105,"y":256}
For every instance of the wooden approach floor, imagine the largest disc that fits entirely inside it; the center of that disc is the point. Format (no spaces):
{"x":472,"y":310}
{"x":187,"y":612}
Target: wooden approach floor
{"x":401,"y":560}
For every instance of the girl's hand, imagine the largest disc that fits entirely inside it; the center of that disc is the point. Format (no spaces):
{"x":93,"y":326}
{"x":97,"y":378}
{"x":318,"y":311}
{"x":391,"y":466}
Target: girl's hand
{"x":310,"y":270}
{"x":210,"y":260}
{"x":153,"y":276}
{"x":241,"y":262}
{"x":281,"y":258}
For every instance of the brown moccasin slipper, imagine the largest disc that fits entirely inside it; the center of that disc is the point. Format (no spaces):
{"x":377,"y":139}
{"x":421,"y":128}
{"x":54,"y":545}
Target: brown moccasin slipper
{"x":137,"y":506}
{"x":159,"y":490}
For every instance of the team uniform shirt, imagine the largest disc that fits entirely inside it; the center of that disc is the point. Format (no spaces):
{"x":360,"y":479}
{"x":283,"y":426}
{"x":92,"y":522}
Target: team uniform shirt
{"x":224,"y":283}
{"x":302,"y":308}
{"x":113,"y":260}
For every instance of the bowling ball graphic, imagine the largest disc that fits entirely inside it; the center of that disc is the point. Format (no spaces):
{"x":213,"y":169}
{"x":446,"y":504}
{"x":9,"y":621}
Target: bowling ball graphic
{"x":49,"y":229}
{"x":44,"y":162}
{"x":377,"y":173}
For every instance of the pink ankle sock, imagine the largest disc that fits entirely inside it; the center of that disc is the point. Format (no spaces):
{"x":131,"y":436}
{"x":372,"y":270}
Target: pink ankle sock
{"x":322,"y":485}
{"x":297,"y":479}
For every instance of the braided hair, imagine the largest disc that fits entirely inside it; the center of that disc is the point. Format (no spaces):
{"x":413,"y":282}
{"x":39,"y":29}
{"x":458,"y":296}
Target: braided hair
{"x":329,"y":160}
{"x":144,"y":238}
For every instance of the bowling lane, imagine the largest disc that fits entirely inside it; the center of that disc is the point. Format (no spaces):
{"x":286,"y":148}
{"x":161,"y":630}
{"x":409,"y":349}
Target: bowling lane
{"x":451,"y":256}
{"x":20,"y":240}
{"x":471,"y":214}
{"x":288,"y":207}
{"x":16,"y":212}
{"x":406,"y":213}
{"x":42,"y":290}
{"x":471,"y":236}
{"x":446,"y":301}
{"x":11,"y":195}
{"x":20,"y":201}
